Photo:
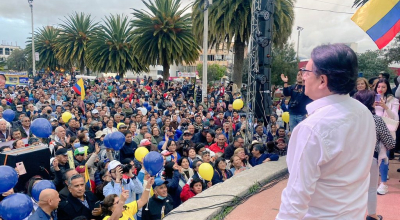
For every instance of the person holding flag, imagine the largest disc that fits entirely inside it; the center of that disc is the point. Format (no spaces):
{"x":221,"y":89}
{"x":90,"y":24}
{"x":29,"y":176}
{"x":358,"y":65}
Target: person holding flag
{"x":79,"y":88}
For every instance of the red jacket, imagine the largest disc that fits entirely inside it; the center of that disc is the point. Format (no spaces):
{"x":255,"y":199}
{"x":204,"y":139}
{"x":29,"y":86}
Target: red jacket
{"x":186,"y":193}
{"x":214,"y":148}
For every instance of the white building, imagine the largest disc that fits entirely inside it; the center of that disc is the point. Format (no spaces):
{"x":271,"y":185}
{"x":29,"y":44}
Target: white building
{"x":6,"y":50}
{"x":155,"y":72}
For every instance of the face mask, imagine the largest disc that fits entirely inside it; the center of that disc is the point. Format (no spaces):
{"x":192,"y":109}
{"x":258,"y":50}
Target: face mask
{"x":77,"y":145}
{"x":87,"y":135}
{"x":161,"y":197}
{"x":220,"y":101}
{"x":168,"y":158}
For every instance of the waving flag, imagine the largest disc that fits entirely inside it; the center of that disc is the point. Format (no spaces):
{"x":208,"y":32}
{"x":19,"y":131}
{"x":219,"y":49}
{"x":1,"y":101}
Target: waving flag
{"x":79,"y":88}
{"x":87,"y":178}
{"x":380,"y":19}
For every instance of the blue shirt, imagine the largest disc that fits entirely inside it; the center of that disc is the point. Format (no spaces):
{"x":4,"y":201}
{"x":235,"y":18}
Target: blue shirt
{"x":41,"y":215}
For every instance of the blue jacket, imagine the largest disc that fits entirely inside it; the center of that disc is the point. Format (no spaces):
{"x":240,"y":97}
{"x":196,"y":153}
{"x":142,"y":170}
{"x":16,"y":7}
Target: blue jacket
{"x":174,"y":189}
{"x":218,"y":178}
{"x":134,"y":186}
{"x":41,"y":215}
{"x":257,"y":161}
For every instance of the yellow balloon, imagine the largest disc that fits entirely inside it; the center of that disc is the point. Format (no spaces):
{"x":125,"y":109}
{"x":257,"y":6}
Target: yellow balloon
{"x":66,"y":116}
{"x":119,"y":124}
{"x":140,"y":153}
{"x":238,"y":104}
{"x":206,"y":171}
{"x":285,"y":117}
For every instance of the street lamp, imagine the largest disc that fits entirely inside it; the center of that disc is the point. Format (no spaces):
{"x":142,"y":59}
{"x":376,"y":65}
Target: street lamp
{"x":299,"y":29}
{"x":207,"y":3}
{"x":33,"y":40}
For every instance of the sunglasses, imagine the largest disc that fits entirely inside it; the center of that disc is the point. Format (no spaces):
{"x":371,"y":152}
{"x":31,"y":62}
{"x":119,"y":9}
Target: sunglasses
{"x":80,"y":154}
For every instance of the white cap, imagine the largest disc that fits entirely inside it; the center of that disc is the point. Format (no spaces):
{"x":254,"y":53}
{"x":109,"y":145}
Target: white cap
{"x":95,"y":111}
{"x":113,"y":164}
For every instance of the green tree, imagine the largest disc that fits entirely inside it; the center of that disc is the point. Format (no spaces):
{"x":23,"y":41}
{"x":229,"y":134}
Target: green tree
{"x":45,"y":45}
{"x":17,"y":61}
{"x":75,"y":34}
{"x":371,"y":63}
{"x":284,"y":61}
{"x":214,"y":72}
{"x":111,"y":50}
{"x":392,"y":55}
{"x":232,"y":20}
{"x":163,"y":34}
{"x":3,"y":65}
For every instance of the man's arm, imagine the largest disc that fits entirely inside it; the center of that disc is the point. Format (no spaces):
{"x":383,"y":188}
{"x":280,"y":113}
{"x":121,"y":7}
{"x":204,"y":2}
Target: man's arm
{"x":304,"y":161}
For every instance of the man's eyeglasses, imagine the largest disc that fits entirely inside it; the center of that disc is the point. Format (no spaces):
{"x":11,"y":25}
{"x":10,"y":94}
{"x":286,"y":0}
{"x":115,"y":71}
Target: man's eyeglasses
{"x":305,"y":70}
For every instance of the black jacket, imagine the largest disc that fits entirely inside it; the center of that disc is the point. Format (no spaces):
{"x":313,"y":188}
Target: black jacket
{"x":128,"y":151}
{"x":72,"y":207}
{"x":199,"y":138}
{"x":155,"y":206}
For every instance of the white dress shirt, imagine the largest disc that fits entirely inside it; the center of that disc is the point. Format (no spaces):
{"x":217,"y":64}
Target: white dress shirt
{"x":329,"y":158}
{"x":109,"y":130}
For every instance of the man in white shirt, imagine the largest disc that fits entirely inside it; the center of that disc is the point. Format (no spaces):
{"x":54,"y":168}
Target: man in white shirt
{"x":330,"y":153}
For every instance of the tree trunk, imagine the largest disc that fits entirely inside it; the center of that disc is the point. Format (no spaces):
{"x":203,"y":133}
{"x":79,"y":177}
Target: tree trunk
{"x":238,"y":63}
{"x":121,"y":76}
{"x":82,"y":67}
{"x":165,"y":70}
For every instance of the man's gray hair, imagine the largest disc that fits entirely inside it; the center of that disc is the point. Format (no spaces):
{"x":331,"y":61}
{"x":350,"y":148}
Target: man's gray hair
{"x":76,"y":176}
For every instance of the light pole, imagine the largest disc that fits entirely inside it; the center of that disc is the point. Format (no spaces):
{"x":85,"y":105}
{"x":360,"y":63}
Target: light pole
{"x":207,"y":3}
{"x":299,"y":29}
{"x":33,"y":40}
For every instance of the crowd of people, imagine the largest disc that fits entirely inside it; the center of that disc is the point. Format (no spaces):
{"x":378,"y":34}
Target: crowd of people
{"x":162,"y":116}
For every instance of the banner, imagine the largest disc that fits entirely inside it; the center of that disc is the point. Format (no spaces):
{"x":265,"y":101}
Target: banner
{"x":16,"y":79}
{"x":185,"y":74}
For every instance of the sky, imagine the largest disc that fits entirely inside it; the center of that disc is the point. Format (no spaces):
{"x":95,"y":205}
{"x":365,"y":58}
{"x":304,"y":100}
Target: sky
{"x":320,"y":27}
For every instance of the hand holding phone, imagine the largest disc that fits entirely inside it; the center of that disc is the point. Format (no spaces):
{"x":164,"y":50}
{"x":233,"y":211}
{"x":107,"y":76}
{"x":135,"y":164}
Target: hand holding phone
{"x":377,"y":97}
{"x":21,"y":168}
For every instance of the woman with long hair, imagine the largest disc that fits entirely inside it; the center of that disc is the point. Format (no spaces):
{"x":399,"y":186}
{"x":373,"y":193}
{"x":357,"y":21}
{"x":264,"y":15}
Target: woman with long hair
{"x":221,"y":173}
{"x":362,"y":84}
{"x":388,"y":107}
{"x":383,"y":138}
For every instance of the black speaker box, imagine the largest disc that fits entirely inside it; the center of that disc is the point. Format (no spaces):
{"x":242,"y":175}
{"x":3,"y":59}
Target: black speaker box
{"x":36,"y":161}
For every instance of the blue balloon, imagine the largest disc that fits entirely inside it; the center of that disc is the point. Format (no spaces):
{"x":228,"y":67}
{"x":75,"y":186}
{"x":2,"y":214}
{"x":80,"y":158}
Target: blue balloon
{"x":8,"y":178}
{"x":105,"y":140}
{"x":40,"y":186}
{"x":9,"y":115}
{"x":178,"y":133}
{"x":145,"y":104}
{"x":116,"y":140}
{"x":160,"y":145}
{"x":148,"y":108}
{"x":16,"y":207}
{"x":41,"y":127}
{"x":153,"y":163}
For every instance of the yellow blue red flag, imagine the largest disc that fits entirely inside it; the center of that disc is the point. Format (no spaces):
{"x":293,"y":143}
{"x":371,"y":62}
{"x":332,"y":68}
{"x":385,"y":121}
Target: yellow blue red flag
{"x":87,"y":178}
{"x":380,"y":19}
{"x":79,"y":88}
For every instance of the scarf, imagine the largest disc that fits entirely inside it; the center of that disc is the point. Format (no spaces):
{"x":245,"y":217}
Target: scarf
{"x":187,"y":173}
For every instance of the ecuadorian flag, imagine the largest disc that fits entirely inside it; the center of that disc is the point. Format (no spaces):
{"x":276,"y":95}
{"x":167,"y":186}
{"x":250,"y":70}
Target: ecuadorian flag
{"x":87,"y":178}
{"x":380,"y":19}
{"x":79,"y":88}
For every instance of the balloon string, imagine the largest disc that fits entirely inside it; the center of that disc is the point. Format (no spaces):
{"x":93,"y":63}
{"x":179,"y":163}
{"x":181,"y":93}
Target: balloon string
{"x":148,"y":199}
{"x":5,"y":160}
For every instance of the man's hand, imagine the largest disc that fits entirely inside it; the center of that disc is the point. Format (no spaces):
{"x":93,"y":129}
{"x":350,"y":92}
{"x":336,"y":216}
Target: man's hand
{"x":266,"y":160}
{"x":55,"y":165}
{"x":97,"y":211}
{"x":284,"y":78}
{"x":124,"y":196}
{"x":150,"y":183}
{"x":118,"y":174}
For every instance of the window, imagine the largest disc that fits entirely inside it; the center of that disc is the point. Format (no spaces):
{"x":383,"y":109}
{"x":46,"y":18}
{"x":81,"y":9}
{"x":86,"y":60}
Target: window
{"x":7,"y":51}
{"x":1,"y":51}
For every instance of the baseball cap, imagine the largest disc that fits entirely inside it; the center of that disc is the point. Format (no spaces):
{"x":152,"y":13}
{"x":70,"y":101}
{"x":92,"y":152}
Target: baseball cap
{"x":61,"y":151}
{"x":119,"y":125}
{"x":79,"y":150}
{"x":186,"y":132}
{"x":113,"y":164}
{"x":80,"y":169}
{"x":281,"y":139}
{"x":144,"y":142}
{"x":205,"y":128}
{"x":99,"y":134}
{"x":95,"y":111}
{"x":158,"y":182}
{"x":165,"y":153}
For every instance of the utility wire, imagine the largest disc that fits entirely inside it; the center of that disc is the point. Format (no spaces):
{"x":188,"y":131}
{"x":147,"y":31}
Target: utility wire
{"x":314,"y":9}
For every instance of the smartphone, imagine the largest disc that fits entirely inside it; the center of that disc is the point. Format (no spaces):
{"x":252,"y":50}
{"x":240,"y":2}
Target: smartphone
{"x":21,"y":168}
{"x":97,"y":204}
{"x":377,"y":97}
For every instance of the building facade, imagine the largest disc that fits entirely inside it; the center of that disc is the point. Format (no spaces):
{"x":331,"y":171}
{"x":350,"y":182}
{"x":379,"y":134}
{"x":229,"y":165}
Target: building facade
{"x":6,"y":50}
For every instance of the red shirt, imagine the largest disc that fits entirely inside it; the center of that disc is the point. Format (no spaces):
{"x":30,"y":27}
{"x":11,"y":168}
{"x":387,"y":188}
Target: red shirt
{"x":215,"y":148}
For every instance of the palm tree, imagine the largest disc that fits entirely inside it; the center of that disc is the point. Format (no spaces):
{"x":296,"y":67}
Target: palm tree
{"x":75,"y":34}
{"x":358,"y":3}
{"x":231,"y":19}
{"x":163,"y":35}
{"x":111,"y":50}
{"x":45,"y":41}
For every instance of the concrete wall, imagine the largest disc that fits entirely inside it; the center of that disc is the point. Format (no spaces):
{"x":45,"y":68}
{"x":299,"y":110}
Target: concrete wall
{"x":237,"y":186}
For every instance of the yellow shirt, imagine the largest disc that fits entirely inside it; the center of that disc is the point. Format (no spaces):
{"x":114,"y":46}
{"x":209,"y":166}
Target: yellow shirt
{"x":130,"y":210}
